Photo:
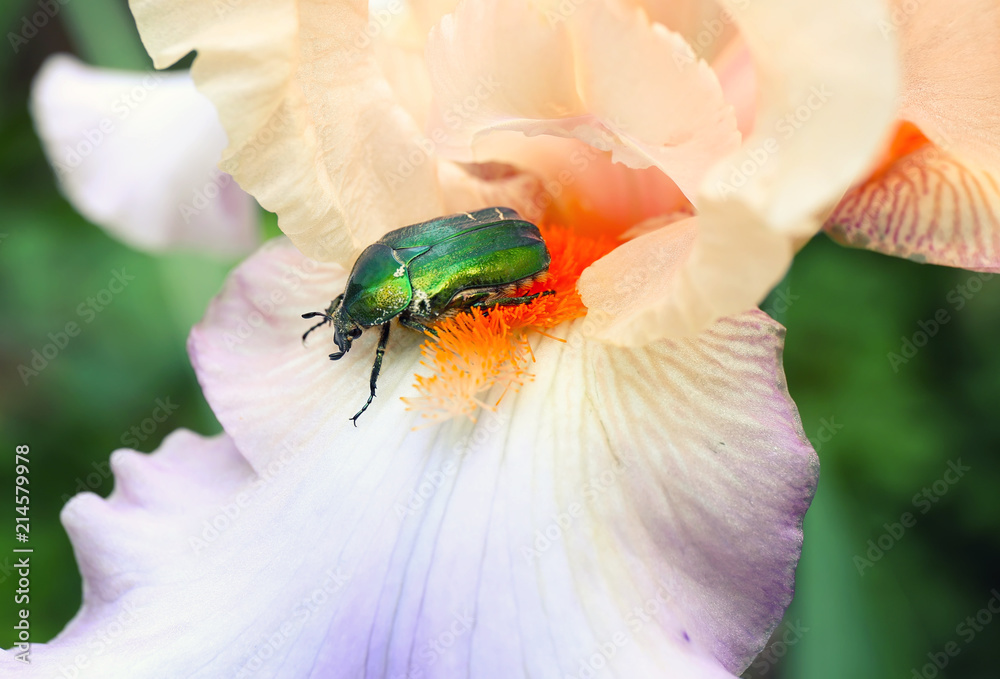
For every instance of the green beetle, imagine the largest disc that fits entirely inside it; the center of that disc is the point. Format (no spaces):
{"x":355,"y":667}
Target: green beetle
{"x":432,"y":270}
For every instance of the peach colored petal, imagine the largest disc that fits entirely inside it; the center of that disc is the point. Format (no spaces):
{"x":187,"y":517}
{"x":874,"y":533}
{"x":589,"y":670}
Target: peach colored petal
{"x":927,"y":205}
{"x":951,"y":73}
{"x":406,"y":72}
{"x":827,"y":81}
{"x":672,"y":281}
{"x":581,"y":187}
{"x":601,"y":73}
{"x":734,"y":66}
{"x":314,"y":132}
{"x":472,"y":187}
{"x":706,"y":26}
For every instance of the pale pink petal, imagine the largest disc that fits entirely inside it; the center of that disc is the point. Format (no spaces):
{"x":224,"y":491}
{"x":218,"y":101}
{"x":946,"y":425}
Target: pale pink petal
{"x":314,"y":131}
{"x":601,"y":73}
{"x":137,"y":153}
{"x":592,"y":522}
{"x":582,"y":187}
{"x":476,"y":186}
{"x":926,"y":205}
{"x":448,"y":516}
{"x":951,"y":73}
{"x":734,"y":66}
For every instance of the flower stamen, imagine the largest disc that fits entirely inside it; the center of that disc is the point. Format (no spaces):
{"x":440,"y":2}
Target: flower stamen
{"x":476,"y":349}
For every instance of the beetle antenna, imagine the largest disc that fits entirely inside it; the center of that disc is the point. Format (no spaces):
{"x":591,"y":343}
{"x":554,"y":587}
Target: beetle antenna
{"x":326,"y":319}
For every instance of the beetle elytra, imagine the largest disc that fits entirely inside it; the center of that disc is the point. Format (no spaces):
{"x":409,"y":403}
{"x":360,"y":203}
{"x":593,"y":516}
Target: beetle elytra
{"x":424,"y":272}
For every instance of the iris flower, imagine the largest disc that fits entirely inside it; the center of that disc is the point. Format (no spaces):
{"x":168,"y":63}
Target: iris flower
{"x":137,"y":153}
{"x":629,"y":501}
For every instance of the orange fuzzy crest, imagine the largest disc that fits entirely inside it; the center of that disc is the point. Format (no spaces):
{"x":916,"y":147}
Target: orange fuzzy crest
{"x":476,"y":350}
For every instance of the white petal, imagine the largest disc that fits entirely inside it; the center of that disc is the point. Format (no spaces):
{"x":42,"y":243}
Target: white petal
{"x":672,"y":478}
{"x":137,"y":152}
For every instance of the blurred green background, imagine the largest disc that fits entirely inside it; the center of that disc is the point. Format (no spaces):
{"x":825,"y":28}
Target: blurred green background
{"x":883,"y":435}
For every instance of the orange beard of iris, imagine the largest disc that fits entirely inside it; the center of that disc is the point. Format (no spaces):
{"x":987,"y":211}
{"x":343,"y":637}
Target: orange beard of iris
{"x":476,"y":350}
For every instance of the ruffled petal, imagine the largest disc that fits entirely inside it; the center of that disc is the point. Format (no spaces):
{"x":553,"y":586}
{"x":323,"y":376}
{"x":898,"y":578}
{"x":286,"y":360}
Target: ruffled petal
{"x":927,"y":205}
{"x":591,"y":523}
{"x":314,"y":131}
{"x":706,"y":26}
{"x":473,"y":187}
{"x":602,"y":73}
{"x":706,"y":503}
{"x":951,"y":73}
{"x":581,"y":186}
{"x":734,"y":66}
{"x":828,"y":82}
{"x":136,"y":153}
{"x":675,"y":280}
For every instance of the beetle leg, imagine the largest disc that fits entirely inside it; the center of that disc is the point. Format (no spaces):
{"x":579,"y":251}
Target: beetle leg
{"x":409,"y":322}
{"x":513,"y":301}
{"x":382,"y":342}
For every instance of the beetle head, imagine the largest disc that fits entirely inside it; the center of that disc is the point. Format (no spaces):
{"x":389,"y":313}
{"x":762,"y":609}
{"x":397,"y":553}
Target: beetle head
{"x":345,"y":331}
{"x":345,"y":328}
